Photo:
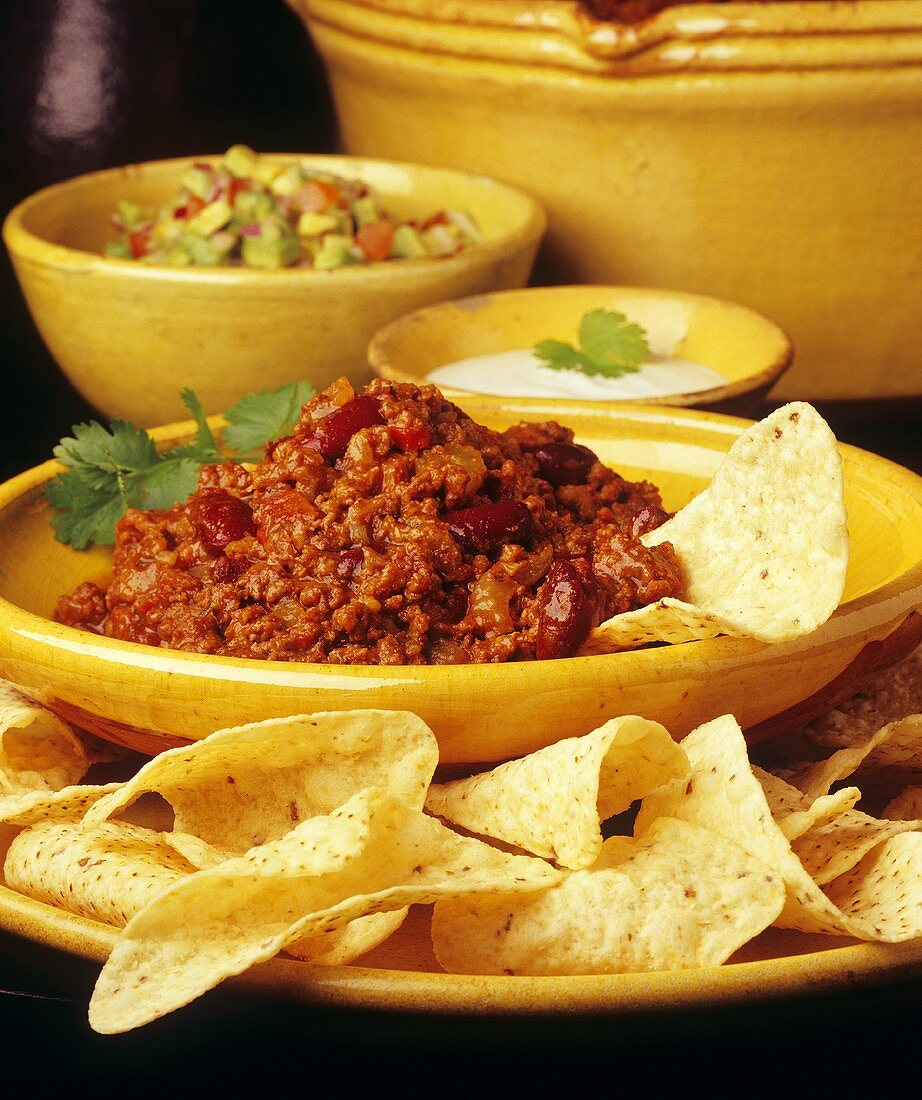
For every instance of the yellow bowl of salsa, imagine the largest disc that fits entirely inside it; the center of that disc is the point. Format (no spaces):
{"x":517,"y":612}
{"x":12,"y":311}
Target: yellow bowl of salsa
{"x":131,"y":334}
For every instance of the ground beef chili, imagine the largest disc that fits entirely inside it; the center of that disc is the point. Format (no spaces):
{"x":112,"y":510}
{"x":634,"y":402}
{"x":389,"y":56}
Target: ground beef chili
{"x":389,"y":528}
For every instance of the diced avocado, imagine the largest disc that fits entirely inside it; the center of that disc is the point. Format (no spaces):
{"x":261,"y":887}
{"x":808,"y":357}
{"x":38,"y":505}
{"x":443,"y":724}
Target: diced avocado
{"x":200,"y":181}
{"x":366,"y":209}
{"x":131,"y":216}
{"x":210,"y":218}
{"x":253,"y":206}
{"x":178,"y":256}
{"x":334,"y":251}
{"x":200,"y":250}
{"x":407,"y":243}
{"x":312,"y":225}
{"x":270,"y":252}
{"x":119,"y":250}
{"x":266,"y":171}
{"x":287,"y":182}
{"x":240,"y":161}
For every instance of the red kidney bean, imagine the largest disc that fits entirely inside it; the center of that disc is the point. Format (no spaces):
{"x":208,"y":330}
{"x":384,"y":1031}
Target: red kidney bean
{"x":648,"y":519}
{"x":220,"y":518}
{"x":564,"y":463}
{"x":486,"y":526}
{"x":566,"y":613}
{"x":227,"y":570}
{"x":331,"y":435}
{"x":349,"y":562}
{"x":454,"y":608}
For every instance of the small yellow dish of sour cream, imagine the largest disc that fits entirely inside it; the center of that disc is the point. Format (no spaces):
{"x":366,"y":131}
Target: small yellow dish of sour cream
{"x":589,"y":344}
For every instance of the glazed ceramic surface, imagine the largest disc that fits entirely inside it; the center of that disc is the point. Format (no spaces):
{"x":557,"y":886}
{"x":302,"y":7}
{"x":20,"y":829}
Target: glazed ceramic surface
{"x":130,"y":336}
{"x":150,"y":698}
{"x":748,"y":350}
{"x":767,"y":153}
{"x":403,"y":974}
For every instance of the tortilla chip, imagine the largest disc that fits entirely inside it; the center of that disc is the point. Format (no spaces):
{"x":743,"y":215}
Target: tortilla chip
{"x":896,"y":745}
{"x":724,"y":795}
{"x":552,"y":802}
{"x":894,"y":693}
{"x":373,"y":854}
{"x":794,"y":813}
{"x":907,"y":806}
{"x":38,"y":751}
{"x":835,"y":847}
{"x":349,"y":942}
{"x":68,"y":804}
{"x":754,"y":566}
{"x":675,"y":898}
{"x":247,"y":785}
{"x":885,"y":889}
{"x":107,"y":872}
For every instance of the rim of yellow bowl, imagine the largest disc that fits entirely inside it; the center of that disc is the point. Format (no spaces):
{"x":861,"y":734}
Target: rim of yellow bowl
{"x":27,"y":245}
{"x":719,"y":38}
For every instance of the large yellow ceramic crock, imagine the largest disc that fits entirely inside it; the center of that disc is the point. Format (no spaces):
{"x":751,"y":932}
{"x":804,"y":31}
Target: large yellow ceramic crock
{"x":130,"y":336}
{"x":150,"y":698}
{"x":768,"y":153}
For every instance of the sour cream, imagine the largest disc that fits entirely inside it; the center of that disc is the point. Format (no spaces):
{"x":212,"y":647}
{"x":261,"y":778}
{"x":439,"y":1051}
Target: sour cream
{"x":520,"y":373}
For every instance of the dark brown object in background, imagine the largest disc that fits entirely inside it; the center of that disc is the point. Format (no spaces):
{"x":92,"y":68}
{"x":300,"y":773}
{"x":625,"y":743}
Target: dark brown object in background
{"x":88,"y":84}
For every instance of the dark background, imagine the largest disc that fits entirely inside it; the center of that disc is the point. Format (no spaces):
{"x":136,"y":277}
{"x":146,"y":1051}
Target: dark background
{"x":88,"y":84}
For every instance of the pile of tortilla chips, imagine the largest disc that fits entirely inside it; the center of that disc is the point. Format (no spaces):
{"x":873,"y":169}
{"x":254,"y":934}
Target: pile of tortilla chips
{"x":313,"y":835}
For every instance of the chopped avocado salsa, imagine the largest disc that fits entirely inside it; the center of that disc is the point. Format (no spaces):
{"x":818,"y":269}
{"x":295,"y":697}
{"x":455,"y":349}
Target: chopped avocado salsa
{"x":252,"y":211}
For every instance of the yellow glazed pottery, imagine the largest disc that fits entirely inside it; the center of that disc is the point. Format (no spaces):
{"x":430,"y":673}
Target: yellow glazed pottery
{"x":767,"y":153}
{"x":130,"y":336}
{"x":149,"y":698}
{"x":749,"y":350}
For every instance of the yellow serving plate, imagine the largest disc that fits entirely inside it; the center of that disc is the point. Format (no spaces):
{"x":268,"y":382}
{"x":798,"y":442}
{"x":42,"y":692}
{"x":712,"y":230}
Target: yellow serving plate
{"x":402,"y":973}
{"x":151,"y":698}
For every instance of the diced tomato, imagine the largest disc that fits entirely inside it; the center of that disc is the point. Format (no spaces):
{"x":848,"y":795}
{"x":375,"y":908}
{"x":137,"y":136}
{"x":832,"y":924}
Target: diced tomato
{"x":416,"y":437}
{"x":439,"y":218}
{"x":316,"y":196}
{"x":375,"y":239}
{"x":236,"y":186}
{"x":189,"y":209}
{"x":139,"y":242}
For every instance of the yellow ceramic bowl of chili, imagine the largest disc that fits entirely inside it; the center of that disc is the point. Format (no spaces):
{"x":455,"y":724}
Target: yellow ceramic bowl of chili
{"x":149,"y":697}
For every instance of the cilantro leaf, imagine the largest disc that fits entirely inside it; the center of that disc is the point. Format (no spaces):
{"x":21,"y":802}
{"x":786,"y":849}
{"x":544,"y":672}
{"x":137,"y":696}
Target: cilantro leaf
{"x":170,"y":481}
{"x":262,"y":417}
{"x":108,"y":470}
{"x":88,"y":511}
{"x":558,"y":355}
{"x":610,"y":345}
{"x":122,"y":448}
{"x":204,"y":448}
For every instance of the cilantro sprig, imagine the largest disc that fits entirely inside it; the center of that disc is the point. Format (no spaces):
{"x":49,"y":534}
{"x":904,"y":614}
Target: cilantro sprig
{"x":109,"y":470}
{"x":610,"y":345}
